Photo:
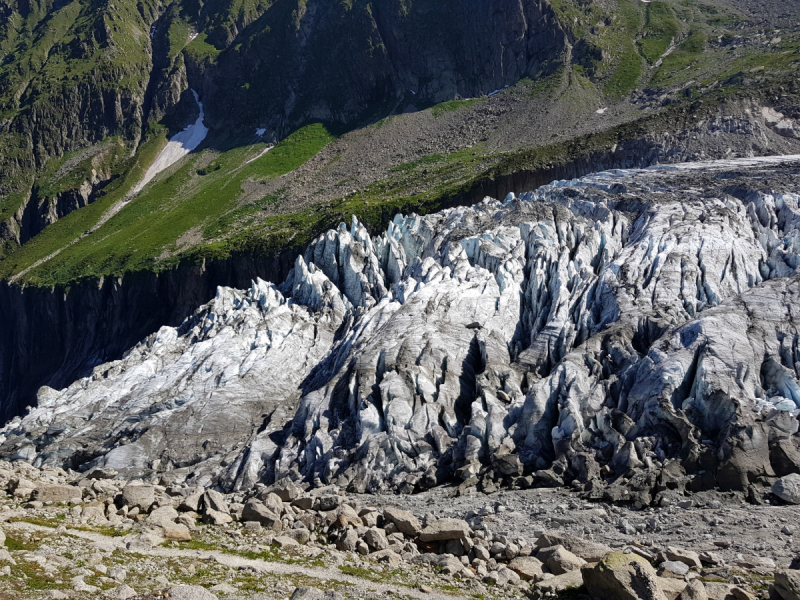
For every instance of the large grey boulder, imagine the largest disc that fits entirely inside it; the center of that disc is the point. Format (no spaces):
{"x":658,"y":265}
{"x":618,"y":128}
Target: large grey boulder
{"x":192,"y":501}
{"x":559,"y":560}
{"x":376,"y":539}
{"x":162,"y":515}
{"x":787,"y":584}
{"x":445,"y":529}
{"x":213,"y":500}
{"x":140,"y":495}
{"x":190,"y":592}
{"x":347,"y":541}
{"x":528,"y":568}
{"x":406,"y":522}
{"x":254,"y":510}
{"x":586,"y":549}
{"x":695,"y":590}
{"x":622,"y":577}
{"x":46,"y":492}
{"x":787,"y":488}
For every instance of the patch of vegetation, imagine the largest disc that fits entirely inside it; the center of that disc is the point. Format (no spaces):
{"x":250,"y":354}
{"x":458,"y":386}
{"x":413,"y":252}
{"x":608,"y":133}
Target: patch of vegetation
{"x":689,"y":52}
{"x":628,"y":70}
{"x":149,"y":226}
{"x":425,"y":160}
{"x":14,"y":544}
{"x":661,"y":27}
{"x":453,"y":105}
{"x":177,"y":36}
{"x":199,"y":50}
{"x":67,"y":230}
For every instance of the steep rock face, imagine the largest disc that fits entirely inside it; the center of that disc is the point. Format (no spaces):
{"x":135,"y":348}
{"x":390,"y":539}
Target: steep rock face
{"x":293,"y":64}
{"x":620,"y":320}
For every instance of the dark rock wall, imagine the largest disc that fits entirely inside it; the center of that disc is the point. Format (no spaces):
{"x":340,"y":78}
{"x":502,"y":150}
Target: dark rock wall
{"x":337,"y":62}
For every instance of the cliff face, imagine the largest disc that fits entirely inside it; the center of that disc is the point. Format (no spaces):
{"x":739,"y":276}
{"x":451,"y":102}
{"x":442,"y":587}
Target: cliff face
{"x":74,"y":75}
{"x":334,"y":62}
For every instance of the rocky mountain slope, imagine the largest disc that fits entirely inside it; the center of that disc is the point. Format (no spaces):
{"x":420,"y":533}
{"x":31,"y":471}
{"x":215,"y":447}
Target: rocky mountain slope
{"x":627,"y":332}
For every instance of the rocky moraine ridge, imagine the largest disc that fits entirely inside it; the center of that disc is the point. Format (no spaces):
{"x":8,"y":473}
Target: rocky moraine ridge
{"x":630,"y":334}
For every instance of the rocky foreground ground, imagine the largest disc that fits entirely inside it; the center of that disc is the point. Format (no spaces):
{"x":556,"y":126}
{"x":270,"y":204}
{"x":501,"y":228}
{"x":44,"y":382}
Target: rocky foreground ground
{"x":71,"y":535}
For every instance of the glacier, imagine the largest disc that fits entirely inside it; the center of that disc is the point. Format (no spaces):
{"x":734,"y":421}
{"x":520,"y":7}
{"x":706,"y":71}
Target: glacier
{"x":623,"y":325}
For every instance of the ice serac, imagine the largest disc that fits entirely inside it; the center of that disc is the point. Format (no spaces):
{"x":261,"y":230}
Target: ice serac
{"x":636,"y":323}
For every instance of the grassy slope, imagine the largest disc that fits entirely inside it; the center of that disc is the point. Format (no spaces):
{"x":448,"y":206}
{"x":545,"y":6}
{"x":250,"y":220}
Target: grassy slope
{"x":150,"y":226}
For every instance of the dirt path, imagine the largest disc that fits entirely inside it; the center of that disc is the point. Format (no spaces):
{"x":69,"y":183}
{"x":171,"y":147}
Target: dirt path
{"x":233,"y":561}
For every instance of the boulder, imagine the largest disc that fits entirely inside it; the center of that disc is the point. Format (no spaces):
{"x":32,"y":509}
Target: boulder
{"x":301,"y":535}
{"x":560,"y":583}
{"x":215,"y":517}
{"x":403,"y":520}
{"x":303,"y":503}
{"x":387,"y":556}
{"x":695,"y":590}
{"x":329,"y":502}
{"x":94,"y":513}
{"x":622,"y":577}
{"x":347,"y":541}
{"x":559,"y":560}
{"x":190,"y":592}
{"x":192,"y":501}
{"x":213,"y":500}
{"x":787,"y":488}
{"x":527,"y":567}
{"x":675,"y":567}
{"x":2,"y":537}
{"x":287,"y":491}
{"x":375,"y":539}
{"x":139,"y":495}
{"x":671,"y":587}
{"x":284,"y":541}
{"x":176,"y":532}
{"x":445,"y":529}
{"x":101,"y":473}
{"x":162,"y":515}
{"x":46,"y":492}
{"x":255,"y":510}
{"x":787,"y":584}
{"x":586,"y":549}
{"x":687,"y":557}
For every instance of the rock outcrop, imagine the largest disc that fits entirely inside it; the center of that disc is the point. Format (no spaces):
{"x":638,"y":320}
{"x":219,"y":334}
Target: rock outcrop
{"x":635,"y":325}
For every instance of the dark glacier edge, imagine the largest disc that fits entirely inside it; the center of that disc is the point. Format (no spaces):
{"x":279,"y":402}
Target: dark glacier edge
{"x":631,"y":333}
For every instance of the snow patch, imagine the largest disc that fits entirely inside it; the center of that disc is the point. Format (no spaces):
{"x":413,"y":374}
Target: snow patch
{"x":261,"y":131}
{"x":179,"y":146}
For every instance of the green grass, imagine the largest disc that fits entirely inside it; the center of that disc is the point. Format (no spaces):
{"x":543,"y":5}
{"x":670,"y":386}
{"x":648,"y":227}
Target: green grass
{"x":683,"y":57}
{"x":661,"y":27}
{"x":67,"y":230}
{"x":425,"y":160}
{"x":15,"y":544}
{"x":453,"y":105}
{"x":149,"y":227}
{"x":199,"y":50}
{"x":628,"y":70}
{"x":178,"y":37}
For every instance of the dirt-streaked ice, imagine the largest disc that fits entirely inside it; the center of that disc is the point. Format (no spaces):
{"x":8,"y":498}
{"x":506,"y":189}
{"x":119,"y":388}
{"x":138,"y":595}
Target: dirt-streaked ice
{"x":619,"y":321}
